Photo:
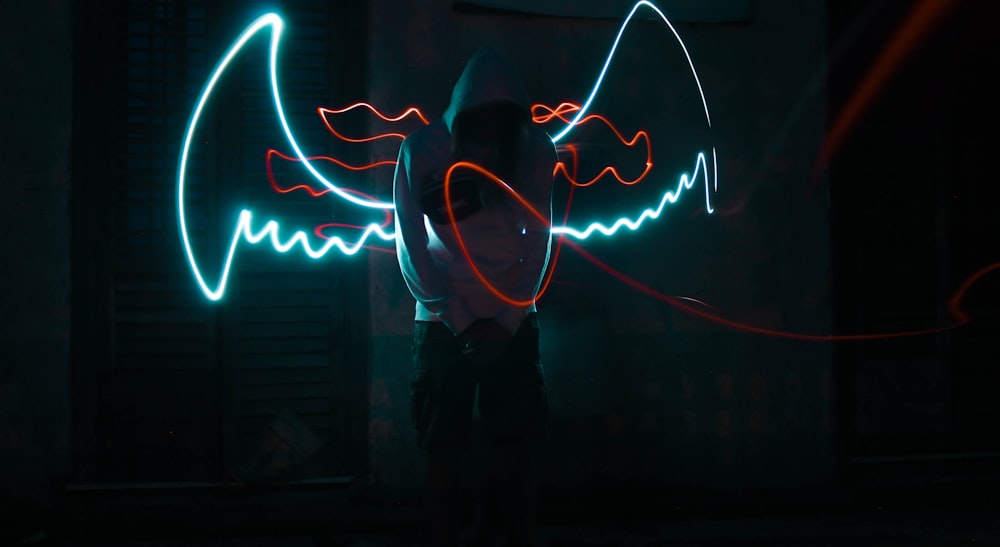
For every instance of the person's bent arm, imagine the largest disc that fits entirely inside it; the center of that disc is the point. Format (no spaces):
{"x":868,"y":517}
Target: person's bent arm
{"x":424,"y":277}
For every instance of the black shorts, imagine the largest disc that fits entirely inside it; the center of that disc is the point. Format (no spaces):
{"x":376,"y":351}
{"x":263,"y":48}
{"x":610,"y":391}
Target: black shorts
{"x":512,"y":397}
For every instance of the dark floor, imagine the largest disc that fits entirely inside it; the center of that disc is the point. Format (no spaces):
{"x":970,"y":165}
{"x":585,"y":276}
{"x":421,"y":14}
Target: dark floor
{"x":922,"y":516}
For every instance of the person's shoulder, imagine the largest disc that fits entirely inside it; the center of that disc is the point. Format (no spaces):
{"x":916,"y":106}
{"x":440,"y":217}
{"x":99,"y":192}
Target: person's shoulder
{"x":428,"y":136}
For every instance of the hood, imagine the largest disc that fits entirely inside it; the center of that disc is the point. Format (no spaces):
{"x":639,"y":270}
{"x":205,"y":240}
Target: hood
{"x":487,"y":78}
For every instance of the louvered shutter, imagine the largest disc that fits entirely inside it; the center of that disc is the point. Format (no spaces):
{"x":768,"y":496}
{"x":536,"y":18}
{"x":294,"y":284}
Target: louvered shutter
{"x":171,"y":387}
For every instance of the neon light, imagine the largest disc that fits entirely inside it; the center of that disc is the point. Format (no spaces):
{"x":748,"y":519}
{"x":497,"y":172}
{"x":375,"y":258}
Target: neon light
{"x":559,"y":113}
{"x":611,"y":54}
{"x":271,"y":229}
{"x":685,"y":182}
{"x":458,"y":233}
{"x":324,"y":112}
{"x":920,"y":20}
{"x":607,"y":63}
{"x":243,"y":228}
{"x":316,"y":193}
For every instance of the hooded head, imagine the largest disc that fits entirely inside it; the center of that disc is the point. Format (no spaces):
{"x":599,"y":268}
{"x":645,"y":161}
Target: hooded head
{"x":489,"y":114}
{"x":489,"y":122}
{"x":487,"y":79}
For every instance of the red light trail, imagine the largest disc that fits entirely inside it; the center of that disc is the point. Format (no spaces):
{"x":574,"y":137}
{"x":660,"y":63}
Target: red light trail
{"x":542,"y":114}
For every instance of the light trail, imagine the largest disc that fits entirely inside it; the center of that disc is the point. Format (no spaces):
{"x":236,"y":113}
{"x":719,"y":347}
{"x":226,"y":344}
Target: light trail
{"x":244,"y":230}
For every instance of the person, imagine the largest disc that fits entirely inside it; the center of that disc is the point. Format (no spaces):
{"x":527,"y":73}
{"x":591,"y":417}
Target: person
{"x":467,"y":337}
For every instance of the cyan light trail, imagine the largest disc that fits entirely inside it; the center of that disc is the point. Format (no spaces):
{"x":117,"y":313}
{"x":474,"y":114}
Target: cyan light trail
{"x":685,"y":183}
{"x":243,"y":229}
{"x":607,"y":63}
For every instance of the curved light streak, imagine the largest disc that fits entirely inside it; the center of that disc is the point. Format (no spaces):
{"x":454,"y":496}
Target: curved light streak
{"x":325,"y":112}
{"x":611,"y":54}
{"x":269,"y":168}
{"x":273,"y":21}
{"x":458,"y":233}
{"x":270,"y":231}
{"x":607,"y":63}
{"x":299,"y":238}
{"x":243,"y":228}
{"x":685,"y":183}
{"x":560,"y":113}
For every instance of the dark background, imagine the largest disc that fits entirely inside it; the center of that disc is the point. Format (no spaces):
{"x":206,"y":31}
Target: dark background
{"x":855,"y":198}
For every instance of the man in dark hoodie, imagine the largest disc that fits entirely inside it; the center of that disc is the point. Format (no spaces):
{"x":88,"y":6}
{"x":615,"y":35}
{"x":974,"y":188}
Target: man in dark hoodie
{"x":468,"y":333}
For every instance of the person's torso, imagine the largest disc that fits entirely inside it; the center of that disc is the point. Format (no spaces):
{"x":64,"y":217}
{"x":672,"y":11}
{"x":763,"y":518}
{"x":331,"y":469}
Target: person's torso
{"x":493,"y":239}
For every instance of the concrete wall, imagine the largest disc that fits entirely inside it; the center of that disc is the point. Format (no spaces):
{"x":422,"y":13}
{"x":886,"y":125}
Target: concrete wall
{"x":644,"y":392}
{"x":35,"y":58}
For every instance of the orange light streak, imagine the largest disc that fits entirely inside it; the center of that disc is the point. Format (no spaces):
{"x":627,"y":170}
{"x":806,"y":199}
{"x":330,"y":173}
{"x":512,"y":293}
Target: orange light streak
{"x":920,"y":21}
{"x":313,"y":192}
{"x":458,"y":233}
{"x":324,"y":112}
{"x":910,"y":31}
{"x":562,"y":112}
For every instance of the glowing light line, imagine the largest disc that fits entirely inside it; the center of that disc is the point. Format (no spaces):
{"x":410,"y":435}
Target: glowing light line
{"x":273,"y":21}
{"x":676,"y":302}
{"x":918,"y":23}
{"x":607,"y":63}
{"x":458,"y":233}
{"x":412,"y":111}
{"x":955,"y":303}
{"x":560,"y":113}
{"x":685,"y":182}
{"x":314,"y":193}
{"x":324,"y":112}
{"x":270,"y":230}
{"x":611,"y":54}
{"x":243,"y":229}
{"x":299,"y":237}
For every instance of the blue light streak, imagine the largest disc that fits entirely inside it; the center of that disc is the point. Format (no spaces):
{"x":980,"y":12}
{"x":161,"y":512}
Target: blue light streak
{"x":243,"y":229}
{"x":685,"y":183}
{"x":273,"y":21}
{"x":607,"y":63}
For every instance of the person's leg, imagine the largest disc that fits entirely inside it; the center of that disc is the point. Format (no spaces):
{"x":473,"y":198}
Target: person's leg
{"x":485,"y":526}
{"x":513,"y":402}
{"x":444,"y":496}
{"x":442,"y":391}
{"x":518,"y":472}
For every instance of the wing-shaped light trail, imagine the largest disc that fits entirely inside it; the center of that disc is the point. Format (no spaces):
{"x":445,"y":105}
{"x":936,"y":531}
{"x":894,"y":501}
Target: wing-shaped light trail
{"x":568,"y":116}
{"x":243,"y":226}
{"x":271,"y":229}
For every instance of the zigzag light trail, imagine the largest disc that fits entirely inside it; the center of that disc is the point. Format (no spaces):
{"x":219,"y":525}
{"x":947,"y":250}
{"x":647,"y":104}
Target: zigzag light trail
{"x":561,"y":169}
{"x":243,"y":228}
{"x":685,"y":182}
{"x":607,"y":64}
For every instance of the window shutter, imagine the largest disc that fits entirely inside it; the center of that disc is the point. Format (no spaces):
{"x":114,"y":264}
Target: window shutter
{"x":261,"y":385}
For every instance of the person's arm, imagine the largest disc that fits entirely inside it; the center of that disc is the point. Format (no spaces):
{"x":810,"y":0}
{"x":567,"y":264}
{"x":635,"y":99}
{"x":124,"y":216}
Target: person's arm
{"x":425,"y":278}
{"x":536,"y":247}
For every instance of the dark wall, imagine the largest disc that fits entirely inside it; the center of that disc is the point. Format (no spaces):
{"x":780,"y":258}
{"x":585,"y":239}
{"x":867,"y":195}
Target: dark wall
{"x":35,"y":57}
{"x":643,"y":391}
